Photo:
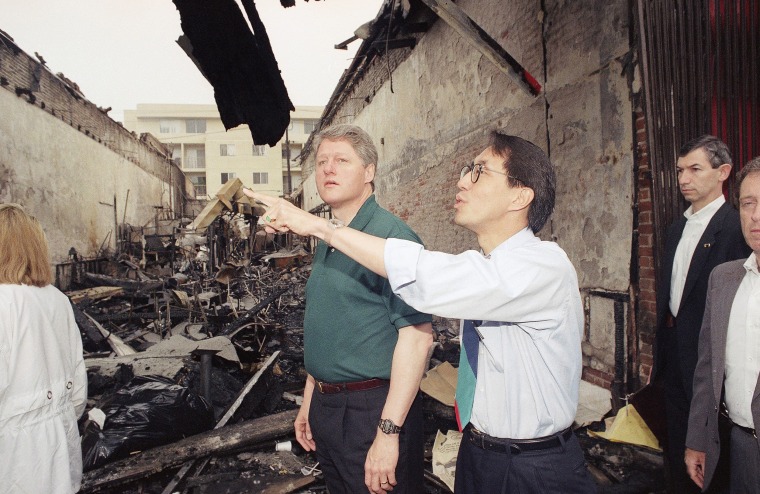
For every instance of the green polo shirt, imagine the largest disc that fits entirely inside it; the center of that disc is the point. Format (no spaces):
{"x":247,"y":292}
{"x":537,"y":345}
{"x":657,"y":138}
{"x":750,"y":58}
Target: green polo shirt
{"x":352,"y":316}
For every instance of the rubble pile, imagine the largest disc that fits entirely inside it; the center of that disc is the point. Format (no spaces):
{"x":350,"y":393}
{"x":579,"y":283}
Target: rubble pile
{"x":194,"y":352}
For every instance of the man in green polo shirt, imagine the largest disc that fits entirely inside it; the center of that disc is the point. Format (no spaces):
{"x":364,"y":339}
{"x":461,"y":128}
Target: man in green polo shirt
{"x":364,"y":349}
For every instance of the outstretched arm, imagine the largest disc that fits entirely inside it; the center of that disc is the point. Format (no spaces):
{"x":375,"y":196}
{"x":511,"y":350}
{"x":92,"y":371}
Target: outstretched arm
{"x":282,"y":216}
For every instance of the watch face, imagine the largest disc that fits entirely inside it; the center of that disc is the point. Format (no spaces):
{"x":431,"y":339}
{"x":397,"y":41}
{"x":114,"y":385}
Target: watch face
{"x":388,"y":427}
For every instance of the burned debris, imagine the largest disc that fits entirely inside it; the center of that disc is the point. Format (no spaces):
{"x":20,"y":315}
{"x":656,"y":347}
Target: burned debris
{"x":193,"y":343}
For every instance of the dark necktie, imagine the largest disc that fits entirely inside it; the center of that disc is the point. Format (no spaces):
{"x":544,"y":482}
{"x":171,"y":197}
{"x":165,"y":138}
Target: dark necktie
{"x":468,"y":372}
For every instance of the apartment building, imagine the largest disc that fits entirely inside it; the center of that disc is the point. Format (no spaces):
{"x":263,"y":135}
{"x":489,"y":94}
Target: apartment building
{"x":210,"y":155}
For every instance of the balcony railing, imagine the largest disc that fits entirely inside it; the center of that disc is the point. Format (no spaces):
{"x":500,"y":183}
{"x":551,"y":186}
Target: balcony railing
{"x":195,"y":162}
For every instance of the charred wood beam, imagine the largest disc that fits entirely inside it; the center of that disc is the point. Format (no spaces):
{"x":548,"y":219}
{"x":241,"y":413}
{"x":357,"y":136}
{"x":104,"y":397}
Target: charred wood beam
{"x":222,"y":422}
{"x":87,"y":326}
{"x":117,"y":344}
{"x":455,"y":17}
{"x":215,"y":442}
{"x":129,"y":286}
{"x":127,"y":316}
{"x":248,"y":316}
{"x":394,"y":44}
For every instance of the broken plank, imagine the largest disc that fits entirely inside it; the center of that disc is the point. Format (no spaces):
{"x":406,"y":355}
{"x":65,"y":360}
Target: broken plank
{"x":222,"y":422}
{"x":213,"y":209}
{"x":87,"y":326}
{"x":95,"y":293}
{"x":118,"y":346}
{"x":130,"y":286}
{"x":280,"y":485}
{"x":215,"y":442}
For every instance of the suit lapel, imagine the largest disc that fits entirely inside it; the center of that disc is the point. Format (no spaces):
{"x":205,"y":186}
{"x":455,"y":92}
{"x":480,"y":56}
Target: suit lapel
{"x":719,"y":322}
{"x":702,"y":251}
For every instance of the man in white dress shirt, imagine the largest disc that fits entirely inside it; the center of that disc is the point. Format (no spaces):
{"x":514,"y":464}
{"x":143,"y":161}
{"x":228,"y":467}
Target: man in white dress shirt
{"x":729,"y":359}
{"x":520,"y":297}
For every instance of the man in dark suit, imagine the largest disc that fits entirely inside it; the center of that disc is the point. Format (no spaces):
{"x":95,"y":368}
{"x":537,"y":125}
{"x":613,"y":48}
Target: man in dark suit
{"x":706,"y":235}
{"x":729,"y":358}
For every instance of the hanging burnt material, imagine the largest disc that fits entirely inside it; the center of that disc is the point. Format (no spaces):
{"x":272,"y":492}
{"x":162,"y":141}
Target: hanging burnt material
{"x":239,"y":64}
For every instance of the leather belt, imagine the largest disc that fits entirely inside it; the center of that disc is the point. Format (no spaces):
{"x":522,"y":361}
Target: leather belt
{"x":517,"y":446}
{"x":724,"y":413}
{"x":670,"y":320}
{"x":329,"y":388}
{"x":749,"y":431}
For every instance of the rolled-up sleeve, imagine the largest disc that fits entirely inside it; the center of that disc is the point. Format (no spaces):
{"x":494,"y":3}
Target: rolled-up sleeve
{"x":401,"y":257}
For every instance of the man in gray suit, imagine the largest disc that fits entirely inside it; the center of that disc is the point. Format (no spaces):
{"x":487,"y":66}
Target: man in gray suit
{"x":729,"y":358}
{"x":708,"y":234}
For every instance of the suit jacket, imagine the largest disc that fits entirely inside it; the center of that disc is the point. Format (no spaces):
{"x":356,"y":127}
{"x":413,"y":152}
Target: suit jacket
{"x":721,"y":241}
{"x":702,"y":434}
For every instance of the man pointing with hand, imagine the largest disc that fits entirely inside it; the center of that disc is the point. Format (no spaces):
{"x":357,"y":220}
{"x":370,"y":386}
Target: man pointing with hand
{"x":519,"y":374}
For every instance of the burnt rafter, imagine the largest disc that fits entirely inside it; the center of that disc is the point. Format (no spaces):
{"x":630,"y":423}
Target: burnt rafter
{"x":455,"y":17}
{"x":239,"y":64}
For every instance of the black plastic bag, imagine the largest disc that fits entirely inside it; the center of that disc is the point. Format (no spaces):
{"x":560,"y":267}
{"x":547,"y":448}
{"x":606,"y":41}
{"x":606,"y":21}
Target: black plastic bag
{"x":149,"y":411}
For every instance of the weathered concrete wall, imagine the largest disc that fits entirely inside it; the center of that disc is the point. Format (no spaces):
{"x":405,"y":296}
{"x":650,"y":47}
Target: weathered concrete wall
{"x":67,"y":162}
{"x":446,"y":97}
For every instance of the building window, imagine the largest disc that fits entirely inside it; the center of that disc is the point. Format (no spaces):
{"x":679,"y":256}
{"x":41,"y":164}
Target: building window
{"x":196,"y":158}
{"x":310,"y":126}
{"x":169,"y":126}
{"x":195,"y":126}
{"x":295,"y":152}
{"x":227,"y":149}
{"x":260,"y":178}
{"x":200,"y":185}
{"x":259,"y":150}
{"x":226,"y":177}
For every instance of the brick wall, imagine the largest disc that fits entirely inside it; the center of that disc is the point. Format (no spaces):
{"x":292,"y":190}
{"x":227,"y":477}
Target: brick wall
{"x":646,"y":316}
{"x":61,"y":98}
{"x":66,"y":161}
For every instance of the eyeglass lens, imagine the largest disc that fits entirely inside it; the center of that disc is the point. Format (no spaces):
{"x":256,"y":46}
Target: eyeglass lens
{"x":473,"y":170}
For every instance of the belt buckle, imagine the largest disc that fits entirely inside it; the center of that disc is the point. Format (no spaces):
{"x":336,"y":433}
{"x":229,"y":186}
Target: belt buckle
{"x":319,"y":386}
{"x":479,"y":438}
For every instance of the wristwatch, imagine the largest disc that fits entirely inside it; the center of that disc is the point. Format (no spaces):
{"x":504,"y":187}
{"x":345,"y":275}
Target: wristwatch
{"x":388,"y":427}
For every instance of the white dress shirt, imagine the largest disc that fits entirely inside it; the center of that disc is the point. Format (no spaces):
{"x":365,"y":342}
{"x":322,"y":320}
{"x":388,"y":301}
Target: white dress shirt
{"x":743,"y":347}
{"x":526,"y":293}
{"x":696,"y":224}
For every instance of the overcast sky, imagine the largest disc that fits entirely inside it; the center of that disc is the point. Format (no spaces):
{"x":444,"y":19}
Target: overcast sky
{"x":122,"y":53}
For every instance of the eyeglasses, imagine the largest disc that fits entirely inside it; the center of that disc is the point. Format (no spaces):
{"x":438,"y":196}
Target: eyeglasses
{"x":475,"y":169}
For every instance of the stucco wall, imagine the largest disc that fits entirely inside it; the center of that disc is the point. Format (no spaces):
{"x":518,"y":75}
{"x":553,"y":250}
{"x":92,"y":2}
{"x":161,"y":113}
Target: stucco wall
{"x":447,"y":96}
{"x":69,"y":181}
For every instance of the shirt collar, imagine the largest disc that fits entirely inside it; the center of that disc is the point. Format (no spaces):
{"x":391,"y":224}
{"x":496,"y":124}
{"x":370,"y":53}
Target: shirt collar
{"x":364,"y":214}
{"x":751,"y":264}
{"x":707,"y":211}
{"x":516,"y":241}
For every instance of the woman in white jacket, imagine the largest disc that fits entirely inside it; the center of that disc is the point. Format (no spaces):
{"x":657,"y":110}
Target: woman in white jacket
{"x":43,"y":382}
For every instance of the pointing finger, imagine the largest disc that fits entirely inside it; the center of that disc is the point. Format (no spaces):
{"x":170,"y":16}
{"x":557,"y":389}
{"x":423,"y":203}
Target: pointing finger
{"x":258,"y":196}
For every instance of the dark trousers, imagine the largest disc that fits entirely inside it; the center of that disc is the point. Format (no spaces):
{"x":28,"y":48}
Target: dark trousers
{"x":344,"y":426}
{"x":677,"y":401}
{"x":745,"y":463}
{"x":561,"y":469}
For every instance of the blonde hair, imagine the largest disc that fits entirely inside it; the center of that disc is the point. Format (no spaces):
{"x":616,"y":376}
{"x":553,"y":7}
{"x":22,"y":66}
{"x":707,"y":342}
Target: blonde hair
{"x":24,"y":253}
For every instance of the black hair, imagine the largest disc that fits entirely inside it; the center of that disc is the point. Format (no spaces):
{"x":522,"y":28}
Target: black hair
{"x":528,"y":165}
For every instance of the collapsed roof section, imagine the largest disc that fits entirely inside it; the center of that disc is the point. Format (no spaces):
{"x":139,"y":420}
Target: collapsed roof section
{"x":239,"y":64}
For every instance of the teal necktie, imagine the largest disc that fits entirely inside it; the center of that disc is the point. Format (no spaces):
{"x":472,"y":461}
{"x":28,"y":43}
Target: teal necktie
{"x":468,"y":372}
